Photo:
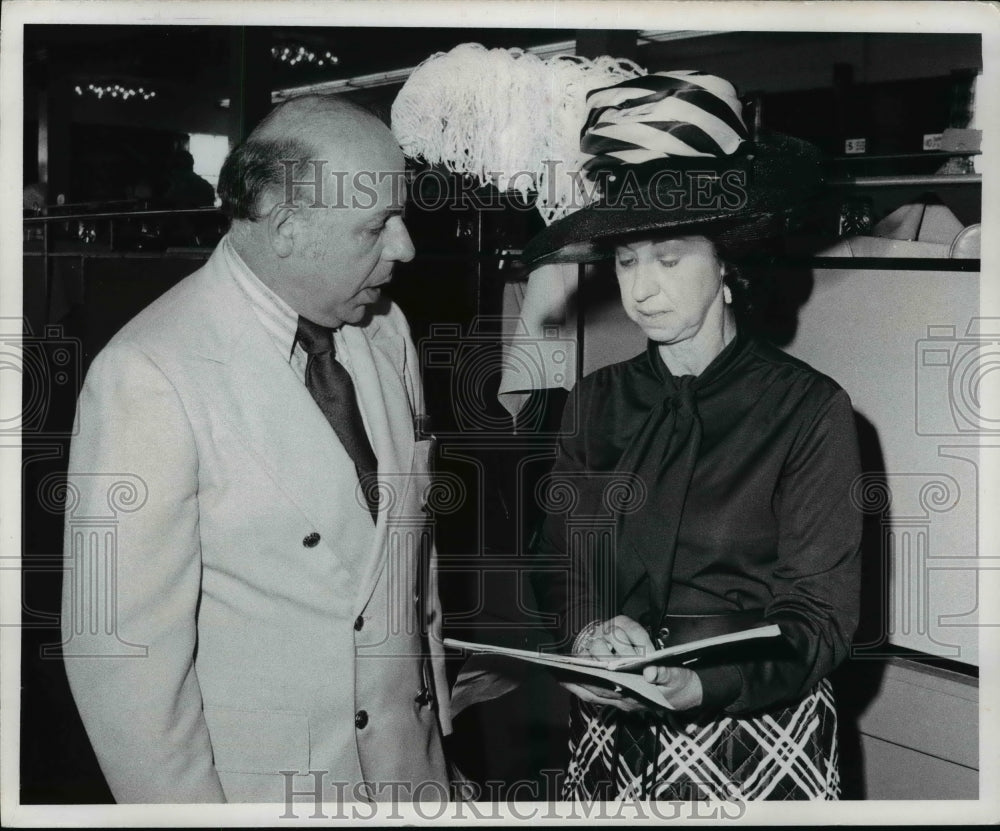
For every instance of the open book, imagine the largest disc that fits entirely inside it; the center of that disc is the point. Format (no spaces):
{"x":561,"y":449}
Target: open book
{"x":623,"y":672}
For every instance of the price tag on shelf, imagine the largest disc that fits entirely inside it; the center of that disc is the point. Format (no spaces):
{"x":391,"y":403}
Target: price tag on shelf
{"x":932,"y":141}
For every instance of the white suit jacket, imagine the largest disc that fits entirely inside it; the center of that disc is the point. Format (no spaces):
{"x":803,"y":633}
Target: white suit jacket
{"x":244,"y":616}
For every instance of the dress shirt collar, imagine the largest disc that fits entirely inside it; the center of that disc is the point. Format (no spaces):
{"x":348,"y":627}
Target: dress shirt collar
{"x":276,"y":316}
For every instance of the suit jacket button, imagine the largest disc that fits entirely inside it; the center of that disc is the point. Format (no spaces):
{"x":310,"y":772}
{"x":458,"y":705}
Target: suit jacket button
{"x":361,"y":719}
{"x":311,"y":540}
{"x":359,"y":623}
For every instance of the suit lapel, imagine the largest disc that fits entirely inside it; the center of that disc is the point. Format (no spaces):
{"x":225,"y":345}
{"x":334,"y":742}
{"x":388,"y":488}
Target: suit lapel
{"x":272,"y":411}
{"x":390,"y":421}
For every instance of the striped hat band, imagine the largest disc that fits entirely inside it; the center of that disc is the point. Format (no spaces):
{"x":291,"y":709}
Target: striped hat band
{"x":661,"y":116}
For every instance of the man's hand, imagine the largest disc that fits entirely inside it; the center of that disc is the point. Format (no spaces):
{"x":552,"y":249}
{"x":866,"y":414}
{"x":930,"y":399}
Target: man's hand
{"x":622,"y":637}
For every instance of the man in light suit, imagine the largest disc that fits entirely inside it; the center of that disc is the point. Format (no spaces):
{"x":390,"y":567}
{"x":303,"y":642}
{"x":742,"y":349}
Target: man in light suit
{"x":276,"y":613}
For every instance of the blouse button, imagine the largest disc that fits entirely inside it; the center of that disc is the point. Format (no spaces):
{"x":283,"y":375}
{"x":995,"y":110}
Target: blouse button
{"x":359,"y":623}
{"x":361,"y":719}
{"x":311,"y":540}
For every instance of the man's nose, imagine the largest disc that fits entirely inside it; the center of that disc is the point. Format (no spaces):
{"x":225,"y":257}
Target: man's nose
{"x":400,"y":248}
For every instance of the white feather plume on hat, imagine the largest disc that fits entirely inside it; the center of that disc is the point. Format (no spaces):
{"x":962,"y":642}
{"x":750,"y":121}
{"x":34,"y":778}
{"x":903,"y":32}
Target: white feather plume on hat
{"x":506,"y":117}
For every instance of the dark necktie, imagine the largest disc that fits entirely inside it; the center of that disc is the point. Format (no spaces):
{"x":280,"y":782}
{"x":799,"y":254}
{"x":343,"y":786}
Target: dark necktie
{"x":331,"y":387}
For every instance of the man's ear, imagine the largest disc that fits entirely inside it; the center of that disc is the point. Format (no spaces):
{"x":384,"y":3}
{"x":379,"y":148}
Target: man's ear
{"x":283,"y":222}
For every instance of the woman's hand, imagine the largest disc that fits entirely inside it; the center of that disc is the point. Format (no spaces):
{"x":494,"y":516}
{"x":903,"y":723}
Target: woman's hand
{"x":679,"y":685}
{"x":622,"y":637}
{"x":605,"y":697}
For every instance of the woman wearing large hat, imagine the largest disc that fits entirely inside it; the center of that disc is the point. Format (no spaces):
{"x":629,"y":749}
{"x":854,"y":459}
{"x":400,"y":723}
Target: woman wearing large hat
{"x":738,"y":461}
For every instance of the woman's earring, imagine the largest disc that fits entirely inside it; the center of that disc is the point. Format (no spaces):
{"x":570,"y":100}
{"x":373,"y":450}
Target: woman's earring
{"x":727,"y":295}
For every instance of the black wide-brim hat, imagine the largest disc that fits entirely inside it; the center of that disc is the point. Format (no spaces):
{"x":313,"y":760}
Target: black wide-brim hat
{"x":738,"y":199}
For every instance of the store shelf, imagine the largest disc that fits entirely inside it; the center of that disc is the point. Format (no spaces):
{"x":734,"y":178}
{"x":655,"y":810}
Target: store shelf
{"x":913,"y":180}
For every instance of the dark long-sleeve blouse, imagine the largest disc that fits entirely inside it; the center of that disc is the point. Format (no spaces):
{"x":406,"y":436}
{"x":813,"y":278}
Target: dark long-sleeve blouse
{"x":724,"y":492}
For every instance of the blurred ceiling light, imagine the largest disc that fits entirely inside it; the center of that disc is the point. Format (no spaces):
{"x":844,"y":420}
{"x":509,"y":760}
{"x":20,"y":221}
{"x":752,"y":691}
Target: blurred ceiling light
{"x":297,"y":54}
{"x":116,"y":91}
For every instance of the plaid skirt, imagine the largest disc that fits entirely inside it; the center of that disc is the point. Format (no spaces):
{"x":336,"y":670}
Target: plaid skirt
{"x":784,"y":753}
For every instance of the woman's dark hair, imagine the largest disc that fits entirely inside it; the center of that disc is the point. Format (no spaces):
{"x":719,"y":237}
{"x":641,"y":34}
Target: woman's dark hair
{"x":749,"y":273}
{"x":254,"y":167}
{"x":741,"y":288}
{"x":752,"y":285}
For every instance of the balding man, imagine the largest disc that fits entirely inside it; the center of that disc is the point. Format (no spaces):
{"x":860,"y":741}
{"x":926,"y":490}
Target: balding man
{"x":273,"y":576}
